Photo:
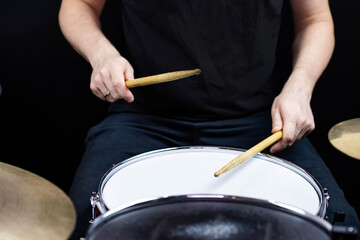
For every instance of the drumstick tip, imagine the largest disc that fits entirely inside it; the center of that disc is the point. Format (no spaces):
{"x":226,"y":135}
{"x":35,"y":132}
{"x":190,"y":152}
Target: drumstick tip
{"x":217,"y":173}
{"x":197,"y":71}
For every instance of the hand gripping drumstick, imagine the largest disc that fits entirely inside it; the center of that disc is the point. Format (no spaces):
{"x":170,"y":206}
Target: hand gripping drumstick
{"x":160,"y":78}
{"x":249,"y":153}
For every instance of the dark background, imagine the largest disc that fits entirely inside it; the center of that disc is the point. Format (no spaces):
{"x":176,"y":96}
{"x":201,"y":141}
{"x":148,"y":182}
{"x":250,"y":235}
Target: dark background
{"x":46,"y":106}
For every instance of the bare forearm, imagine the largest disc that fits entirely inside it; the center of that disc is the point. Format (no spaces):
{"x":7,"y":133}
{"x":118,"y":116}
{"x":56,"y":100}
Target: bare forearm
{"x":314,"y":41}
{"x":312,"y":51}
{"x":80,"y":24}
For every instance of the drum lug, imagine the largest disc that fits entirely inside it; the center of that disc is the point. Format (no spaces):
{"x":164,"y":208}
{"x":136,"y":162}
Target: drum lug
{"x":94,"y":200}
{"x":326,"y":194}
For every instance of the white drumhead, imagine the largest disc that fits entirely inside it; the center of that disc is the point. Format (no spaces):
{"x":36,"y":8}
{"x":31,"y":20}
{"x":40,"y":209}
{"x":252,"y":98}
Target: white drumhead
{"x":184,"y":171}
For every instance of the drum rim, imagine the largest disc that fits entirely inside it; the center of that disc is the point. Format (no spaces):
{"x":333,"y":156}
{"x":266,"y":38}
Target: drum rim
{"x":267,"y":157}
{"x":273,"y":205}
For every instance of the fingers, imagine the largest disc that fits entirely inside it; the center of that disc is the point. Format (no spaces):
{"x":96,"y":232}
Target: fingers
{"x":277,"y":122}
{"x":295,"y":123}
{"x":277,"y":125}
{"x":287,"y":140}
{"x":99,"y":88}
{"x":293,"y":130}
{"x":117,"y":86}
{"x":108,"y":80}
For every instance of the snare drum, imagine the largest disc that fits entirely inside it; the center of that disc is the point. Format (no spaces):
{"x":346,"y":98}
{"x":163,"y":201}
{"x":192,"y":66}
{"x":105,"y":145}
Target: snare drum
{"x":186,"y":171}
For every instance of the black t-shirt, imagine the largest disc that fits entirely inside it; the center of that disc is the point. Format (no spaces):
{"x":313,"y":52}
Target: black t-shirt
{"x":233,"y":42}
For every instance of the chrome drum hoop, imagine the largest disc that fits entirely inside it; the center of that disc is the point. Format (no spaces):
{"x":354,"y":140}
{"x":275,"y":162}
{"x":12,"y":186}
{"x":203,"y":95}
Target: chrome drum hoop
{"x":101,"y":206}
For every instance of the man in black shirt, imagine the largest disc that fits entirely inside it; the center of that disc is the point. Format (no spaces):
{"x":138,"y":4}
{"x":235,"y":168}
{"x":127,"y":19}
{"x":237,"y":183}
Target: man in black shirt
{"x":238,"y":100}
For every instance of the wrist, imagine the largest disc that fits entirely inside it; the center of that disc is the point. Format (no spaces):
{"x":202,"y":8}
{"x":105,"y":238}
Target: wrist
{"x":300,"y":82}
{"x":103,"y":49}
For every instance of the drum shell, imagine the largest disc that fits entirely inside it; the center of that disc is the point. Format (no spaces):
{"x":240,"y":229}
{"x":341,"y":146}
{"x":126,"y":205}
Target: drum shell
{"x":208,"y":217}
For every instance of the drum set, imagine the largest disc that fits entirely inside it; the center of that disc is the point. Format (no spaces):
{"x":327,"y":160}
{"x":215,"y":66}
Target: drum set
{"x":176,"y":183}
{"x":171,"y":194}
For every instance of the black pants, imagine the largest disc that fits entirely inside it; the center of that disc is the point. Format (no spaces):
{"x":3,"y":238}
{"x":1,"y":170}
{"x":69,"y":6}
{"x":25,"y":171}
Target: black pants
{"x":123,"y":135}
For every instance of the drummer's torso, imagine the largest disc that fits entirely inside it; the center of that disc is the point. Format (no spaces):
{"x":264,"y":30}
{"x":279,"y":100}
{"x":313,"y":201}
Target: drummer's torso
{"x":233,"y":43}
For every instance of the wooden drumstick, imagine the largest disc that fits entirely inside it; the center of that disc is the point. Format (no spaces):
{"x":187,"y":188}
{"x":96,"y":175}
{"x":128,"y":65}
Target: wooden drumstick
{"x":160,"y":78}
{"x":249,"y":153}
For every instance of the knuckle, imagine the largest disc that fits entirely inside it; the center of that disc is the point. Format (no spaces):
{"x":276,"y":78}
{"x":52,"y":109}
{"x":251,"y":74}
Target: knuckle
{"x":92,"y":87}
{"x":118,"y":64}
{"x":310,"y":125}
{"x":118,"y":84}
{"x":96,"y":79}
{"x":103,"y":72}
{"x":116,"y":95}
{"x":289,"y":139}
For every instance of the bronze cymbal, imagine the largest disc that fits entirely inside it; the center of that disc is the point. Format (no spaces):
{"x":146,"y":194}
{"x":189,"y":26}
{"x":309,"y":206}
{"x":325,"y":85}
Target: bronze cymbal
{"x":32,"y":207}
{"x":345,"y":136}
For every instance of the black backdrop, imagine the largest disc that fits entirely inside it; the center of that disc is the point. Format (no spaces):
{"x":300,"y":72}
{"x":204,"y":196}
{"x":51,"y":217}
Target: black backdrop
{"x":46,"y":105}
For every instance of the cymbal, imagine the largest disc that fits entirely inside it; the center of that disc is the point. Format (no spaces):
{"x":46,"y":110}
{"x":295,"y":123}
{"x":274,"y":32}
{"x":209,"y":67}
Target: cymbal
{"x":345,"y":136}
{"x":32,"y":207}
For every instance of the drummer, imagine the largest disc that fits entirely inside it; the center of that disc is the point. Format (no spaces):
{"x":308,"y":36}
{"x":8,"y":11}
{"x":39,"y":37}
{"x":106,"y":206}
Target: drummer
{"x":238,"y":100}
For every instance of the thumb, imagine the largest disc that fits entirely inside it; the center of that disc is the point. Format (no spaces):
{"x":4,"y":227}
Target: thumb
{"x":129,"y":73}
{"x":277,"y":123}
